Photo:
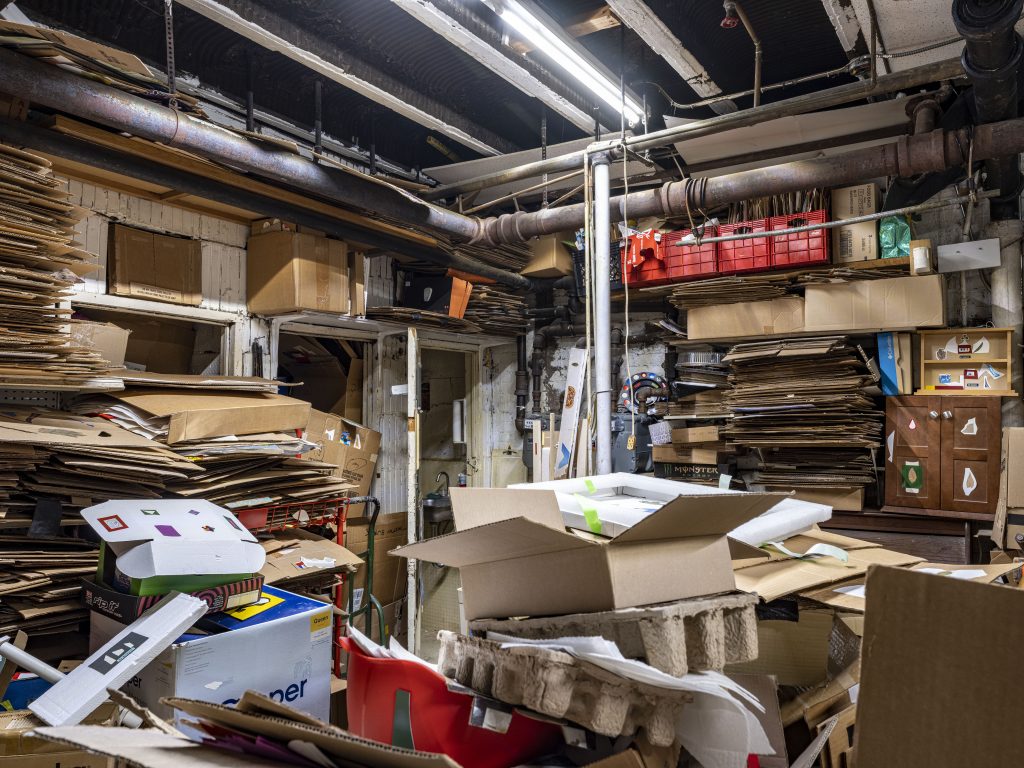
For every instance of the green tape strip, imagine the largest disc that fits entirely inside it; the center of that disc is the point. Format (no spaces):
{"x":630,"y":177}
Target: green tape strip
{"x":591,"y":488}
{"x":589,"y":514}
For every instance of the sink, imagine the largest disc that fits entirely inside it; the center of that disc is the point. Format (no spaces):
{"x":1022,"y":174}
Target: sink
{"x":437,"y":508}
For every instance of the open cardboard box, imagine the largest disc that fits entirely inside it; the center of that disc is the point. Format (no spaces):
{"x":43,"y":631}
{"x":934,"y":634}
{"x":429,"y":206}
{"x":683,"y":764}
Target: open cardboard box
{"x":517,"y":559}
{"x":155,"y":546}
{"x":295,"y":556}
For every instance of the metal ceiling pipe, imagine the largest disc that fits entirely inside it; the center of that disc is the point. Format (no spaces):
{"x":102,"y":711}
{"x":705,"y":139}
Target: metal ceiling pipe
{"x":733,"y":7}
{"x":602,"y":313}
{"x":51,"y":87}
{"x":909,"y":156}
{"x":831,"y":97}
{"x":992,"y":60}
{"x":52,"y":143}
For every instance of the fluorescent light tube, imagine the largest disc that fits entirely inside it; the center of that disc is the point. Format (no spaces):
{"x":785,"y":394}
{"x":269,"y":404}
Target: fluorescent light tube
{"x":548,"y":43}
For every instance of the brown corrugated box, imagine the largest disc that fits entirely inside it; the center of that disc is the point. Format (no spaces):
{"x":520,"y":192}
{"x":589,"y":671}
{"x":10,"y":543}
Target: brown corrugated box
{"x":357,"y":284}
{"x":516,"y":558}
{"x":940,"y":673}
{"x":295,"y":271}
{"x":145,"y":265}
{"x":198,"y":414}
{"x":867,"y":305}
{"x":855,"y":242}
{"x":752,"y":318}
{"x":389,"y":574}
{"x":106,"y":339}
{"x":549,"y":257}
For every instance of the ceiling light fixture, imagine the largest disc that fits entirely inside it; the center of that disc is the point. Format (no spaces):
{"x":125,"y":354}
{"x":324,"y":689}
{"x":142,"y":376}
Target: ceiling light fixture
{"x":543,"y":39}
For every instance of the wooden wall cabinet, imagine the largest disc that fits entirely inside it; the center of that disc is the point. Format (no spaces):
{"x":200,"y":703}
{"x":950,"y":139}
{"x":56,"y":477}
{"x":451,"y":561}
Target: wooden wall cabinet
{"x":942,"y":454}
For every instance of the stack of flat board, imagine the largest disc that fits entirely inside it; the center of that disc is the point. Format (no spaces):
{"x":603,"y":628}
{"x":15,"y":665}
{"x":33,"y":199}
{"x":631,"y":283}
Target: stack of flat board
{"x":423,"y":318}
{"x":497,"y":311}
{"x":38,"y":265}
{"x":803,"y":404}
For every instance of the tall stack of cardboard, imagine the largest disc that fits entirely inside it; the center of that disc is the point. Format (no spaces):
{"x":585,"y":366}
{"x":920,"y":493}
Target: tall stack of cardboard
{"x":802,"y":405}
{"x":39,"y":262}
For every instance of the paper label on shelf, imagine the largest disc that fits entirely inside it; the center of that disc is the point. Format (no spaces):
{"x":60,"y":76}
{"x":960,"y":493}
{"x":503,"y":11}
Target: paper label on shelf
{"x":890,"y":442}
{"x":970,"y":481}
{"x":970,"y":427}
{"x":982,"y":346}
{"x":725,"y":481}
{"x":912,"y":425}
{"x":913,"y":476}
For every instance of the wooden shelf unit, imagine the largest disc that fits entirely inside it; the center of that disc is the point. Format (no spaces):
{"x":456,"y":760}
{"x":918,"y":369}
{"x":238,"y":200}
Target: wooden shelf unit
{"x":954,"y":364}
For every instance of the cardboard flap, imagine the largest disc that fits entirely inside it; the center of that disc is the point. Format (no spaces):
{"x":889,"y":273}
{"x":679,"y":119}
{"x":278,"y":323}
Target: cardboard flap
{"x":743,"y":552}
{"x":702,"y":515}
{"x":185,"y":558}
{"x":351,"y":749}
{"x":473,"y":507}
{"x":503,"y":540}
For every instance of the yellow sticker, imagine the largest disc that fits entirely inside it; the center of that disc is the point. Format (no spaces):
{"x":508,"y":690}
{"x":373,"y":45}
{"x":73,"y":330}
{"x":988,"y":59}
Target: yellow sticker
{"x":266,"y":603}
{"x":320,"y":621}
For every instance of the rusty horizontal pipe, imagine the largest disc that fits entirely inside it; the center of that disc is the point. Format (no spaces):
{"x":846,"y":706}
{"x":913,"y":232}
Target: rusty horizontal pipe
{"x":910,"y":155}
{"x":797,"y":105}
{"x":51,"y":87}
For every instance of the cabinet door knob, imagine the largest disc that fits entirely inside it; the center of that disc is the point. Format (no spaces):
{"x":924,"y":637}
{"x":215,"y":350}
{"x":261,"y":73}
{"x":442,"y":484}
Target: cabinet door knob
{"x":933,"y":414}
{"x":947,"y":414}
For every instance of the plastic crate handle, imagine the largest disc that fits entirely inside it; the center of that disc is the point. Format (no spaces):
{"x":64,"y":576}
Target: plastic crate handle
{"x":796,"y":223}
{"x":745,"y":230}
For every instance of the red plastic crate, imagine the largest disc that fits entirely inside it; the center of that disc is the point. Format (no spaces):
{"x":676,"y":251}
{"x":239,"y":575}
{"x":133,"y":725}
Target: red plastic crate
{"x":754,"y":255}
{"x":803,"y":247}
{"x":643,"y":260}
{"x":690,"y":262}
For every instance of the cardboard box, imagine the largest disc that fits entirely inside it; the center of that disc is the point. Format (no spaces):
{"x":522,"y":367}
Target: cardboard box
{"x":127,"y":608}
{"x":840,"y":499}
{"x":20,"y":749}
{"x":437,"y":293}
{"x":681,"y":454}
{"x":895,"y":363}
{"x":517,"y":559}
{"x":295,"y":271}
{"x":108,"y":340}
{"x":858,"y":200}
{"x":297,"y":557}
{"x":549,"y":257}
{"x":389,"y":573}
{"x":145,"y":265}
{"x":1008,"y":526}
{"x":157,"y":546}
{"x":752,"y":318}
{"x":868,"y":305}
{"x":324,"y":430}
{"x":351,"y":407}
{"x":855,"y":242}
{"x":160,"y":346}
{"x":112,"y":57}
{"x":356,"y":453}
{"x":940,"y":665}
{"x":690,"y":473}
{"x":693,"y":435}
{"x":357,"y":284}
{"x":266,"y":226}
{"x":281,"y":647}
{"x":196,"y":414}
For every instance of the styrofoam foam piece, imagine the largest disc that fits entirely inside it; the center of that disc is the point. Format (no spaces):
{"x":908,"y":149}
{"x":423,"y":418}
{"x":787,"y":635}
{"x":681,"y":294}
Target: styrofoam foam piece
{"x":703,"y":633}
{"x":622,"y":500}
{"x":554,"y":683}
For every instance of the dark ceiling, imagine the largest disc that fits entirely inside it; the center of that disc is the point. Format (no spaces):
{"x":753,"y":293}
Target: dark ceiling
{"x":798,"y":40}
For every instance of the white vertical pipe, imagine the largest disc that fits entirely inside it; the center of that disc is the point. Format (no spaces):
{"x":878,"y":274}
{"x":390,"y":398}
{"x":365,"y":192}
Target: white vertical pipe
{"x":412,"y":356}
{"x":602,"y":313}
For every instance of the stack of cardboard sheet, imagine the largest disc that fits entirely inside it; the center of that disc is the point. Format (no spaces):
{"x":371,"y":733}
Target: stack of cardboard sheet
{"x":497,"y":311}
{"x":38,"y":265}
{"x":52,"y":464}
{"x":729,"y":290}
{"x":804,"y":402}
{"x":244,"y":445}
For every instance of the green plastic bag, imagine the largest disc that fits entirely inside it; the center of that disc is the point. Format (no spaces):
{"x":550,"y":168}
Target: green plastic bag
{"x":894,"y":237}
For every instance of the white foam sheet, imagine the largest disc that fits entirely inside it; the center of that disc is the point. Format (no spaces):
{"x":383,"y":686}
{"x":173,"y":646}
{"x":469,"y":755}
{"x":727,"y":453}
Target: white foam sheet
{"x":622,"y":500}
